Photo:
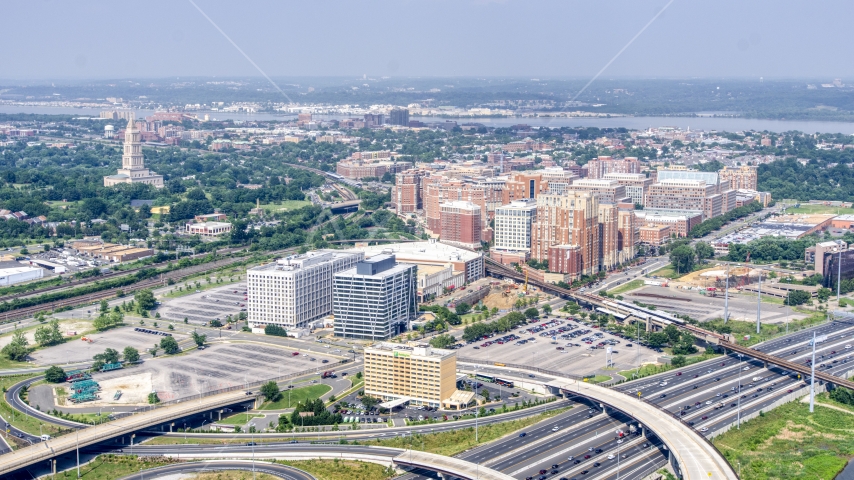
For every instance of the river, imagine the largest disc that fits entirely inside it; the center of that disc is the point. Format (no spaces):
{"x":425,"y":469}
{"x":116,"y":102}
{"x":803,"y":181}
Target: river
{"x":729,"y":124}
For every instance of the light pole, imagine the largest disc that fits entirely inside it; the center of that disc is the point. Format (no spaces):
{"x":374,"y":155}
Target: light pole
{"x":726,"y":296}
{"x":740,"y":357}
{"x":477,"y":410}
{"x":812,"y":376}
{"x":253,"y":454}
{"x":759,"y":302}
{"x":838,"y":275}
{"x":78,"y":451}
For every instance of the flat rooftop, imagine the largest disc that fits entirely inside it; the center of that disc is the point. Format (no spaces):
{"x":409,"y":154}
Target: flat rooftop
{"x":416,"y":350}
{"x":802,"y":219}
{"x":417,"y":252}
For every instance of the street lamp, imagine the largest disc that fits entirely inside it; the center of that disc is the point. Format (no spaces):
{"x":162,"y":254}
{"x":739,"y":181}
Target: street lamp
{"x":740,"y":369}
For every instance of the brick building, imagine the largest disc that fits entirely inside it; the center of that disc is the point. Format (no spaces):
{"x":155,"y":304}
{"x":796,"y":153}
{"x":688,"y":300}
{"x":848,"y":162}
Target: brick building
{"x":461,"y":223}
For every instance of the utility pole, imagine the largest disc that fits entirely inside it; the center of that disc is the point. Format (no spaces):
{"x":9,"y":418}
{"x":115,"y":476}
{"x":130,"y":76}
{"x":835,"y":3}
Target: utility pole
{"x":812,"y":376}
{"x":759,"y":303}
{"x":838,"y":276}
{"x":726,"y":296}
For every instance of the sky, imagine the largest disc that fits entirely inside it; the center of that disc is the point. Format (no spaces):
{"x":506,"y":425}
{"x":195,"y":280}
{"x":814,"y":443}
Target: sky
{"x":88,"y":39}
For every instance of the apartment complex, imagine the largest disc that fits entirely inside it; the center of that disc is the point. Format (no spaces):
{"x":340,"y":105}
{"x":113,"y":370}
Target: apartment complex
{"x":357,"y":169}
{"x":602,"y":166}
{"x":607,"y":191}
{"x":674,"y":194}
{"x":739,"y":178}
{"x":375,"y":299}
{"x":570,"y":219}
{"x":513,"y":225}
{"x":294,"y":291}
{"x":461,"y":223}
{"x":406,"y":192}
{"x":399,"y":116}
{"x":636,"y":185}
{"x":418,"y":374}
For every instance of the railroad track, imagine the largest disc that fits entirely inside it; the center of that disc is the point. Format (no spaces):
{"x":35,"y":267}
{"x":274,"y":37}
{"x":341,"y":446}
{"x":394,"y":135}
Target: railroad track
{"x":105,"y":276}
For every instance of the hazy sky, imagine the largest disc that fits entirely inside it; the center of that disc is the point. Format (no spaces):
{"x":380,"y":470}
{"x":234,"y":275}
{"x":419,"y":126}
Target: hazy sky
{"x":53,"y":39}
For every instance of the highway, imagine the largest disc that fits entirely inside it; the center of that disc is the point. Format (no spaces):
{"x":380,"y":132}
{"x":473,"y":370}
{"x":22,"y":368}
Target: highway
{"x":274,"y":469}
{"x":717,"y":381}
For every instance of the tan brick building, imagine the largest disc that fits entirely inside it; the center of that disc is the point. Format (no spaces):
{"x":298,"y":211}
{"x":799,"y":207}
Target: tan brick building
{"x":419,"y":374}
{"x":603,"y":165}
{"x":739,"y":178}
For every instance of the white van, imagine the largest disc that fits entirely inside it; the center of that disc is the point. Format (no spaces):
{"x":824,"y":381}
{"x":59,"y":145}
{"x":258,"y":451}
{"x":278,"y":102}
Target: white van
{"x":45,"y":437}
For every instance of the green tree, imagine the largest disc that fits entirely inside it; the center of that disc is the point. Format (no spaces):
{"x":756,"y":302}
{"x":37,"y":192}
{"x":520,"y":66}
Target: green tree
{"x":678,"y":361}
{"x":823,"y":294}
{"x":131,"y":355}
{"x":105,"y":307}
{"x":657,"y":339}
{"x":49,"y":334}
{"x":271,"y":391}
{"x":442,"y":341}
{"x":199,"y":338}
{"x":532,"y":313}
{"x":18,"y":348}
{"x":54,"y":374}
{"x":462,"y":308}
{"x":682,"y":258}
{"x":169,"y":345}
{"x":145,"y":300}
{"x":704,"y":251}
{"x":798,"y":297}
{"x":547,"y":309}
{"x":153,"y":398}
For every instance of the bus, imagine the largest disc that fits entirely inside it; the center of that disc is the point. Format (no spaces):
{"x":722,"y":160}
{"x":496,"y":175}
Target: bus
{"x":484,"y":378}
{"x":504,"y":383}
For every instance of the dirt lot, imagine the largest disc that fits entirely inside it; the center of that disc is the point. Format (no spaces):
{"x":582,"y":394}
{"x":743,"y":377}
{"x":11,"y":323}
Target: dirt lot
{"x":68,"y":327}
{"x":81,"y":351}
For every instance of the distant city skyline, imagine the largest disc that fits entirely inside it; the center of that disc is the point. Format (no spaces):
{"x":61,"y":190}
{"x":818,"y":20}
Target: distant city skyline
{"x":94,"y":40}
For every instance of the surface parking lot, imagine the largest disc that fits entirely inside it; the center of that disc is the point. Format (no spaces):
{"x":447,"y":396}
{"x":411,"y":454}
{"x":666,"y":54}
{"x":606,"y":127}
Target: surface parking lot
{"x":74,"y":351}
{"x":200,"y":308}
{"x":568,"y":355}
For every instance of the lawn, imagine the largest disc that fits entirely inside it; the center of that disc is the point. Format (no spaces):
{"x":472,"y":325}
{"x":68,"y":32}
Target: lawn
{"x":626,"y":287}
{"x":285,"y":205}
{"x":650,"y":369}
{"x":238,"y":419}
{"x":342,"y":469}
{"x":815,"y":209}
{"x":110,"y":467}
{"x":666,"y":272}
{"x":297,"y":395}
{"x":791,"y":442}
{"x":456,"y":441}
{"x":228,"y":475}
{"x":599,"y":378}
{"x":740,"y":328}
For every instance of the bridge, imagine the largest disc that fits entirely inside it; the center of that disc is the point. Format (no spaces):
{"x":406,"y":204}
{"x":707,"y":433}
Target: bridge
{"x":345,"y":207}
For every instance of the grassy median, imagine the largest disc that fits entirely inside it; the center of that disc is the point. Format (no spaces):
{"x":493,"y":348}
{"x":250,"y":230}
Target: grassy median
{"x":342,"y":469}
{"x":296,"y":395}
{"x":19,"y":420}
{"x":457,"y":441}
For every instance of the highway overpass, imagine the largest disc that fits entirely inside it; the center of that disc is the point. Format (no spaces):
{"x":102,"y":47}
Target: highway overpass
{"x":695,"y":456}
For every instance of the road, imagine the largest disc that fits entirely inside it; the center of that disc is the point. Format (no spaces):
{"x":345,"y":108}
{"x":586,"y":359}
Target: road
{"x":730,"y":380}
{"x":274,"y":469}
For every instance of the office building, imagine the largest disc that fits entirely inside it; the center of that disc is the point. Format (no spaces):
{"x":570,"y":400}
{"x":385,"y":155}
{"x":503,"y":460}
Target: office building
{"x":513,"y":225}
{"x":833,"y":269}
{"x":358,"y":169}
{"x":636,"y":185}
{"x":374,"y":120}
{"x":399,"y":116}
{"x":294,"y":291}
{"x":655,"y":235}
{"x":461,"y":223}
{"x":417,"y":374}
{"x":133,"y":163}
{"x":816,"y":255}
{"x":376,"y":299}
{"x":675,"y":194}
{"x":709,"y":178}
{"x":739,"y":178}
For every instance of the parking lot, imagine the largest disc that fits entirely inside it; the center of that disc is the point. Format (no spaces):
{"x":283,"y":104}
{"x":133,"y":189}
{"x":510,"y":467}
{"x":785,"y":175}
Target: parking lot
{"x":570,"y":351}
{"x":204,"y":306}
{"x":74,"y":351}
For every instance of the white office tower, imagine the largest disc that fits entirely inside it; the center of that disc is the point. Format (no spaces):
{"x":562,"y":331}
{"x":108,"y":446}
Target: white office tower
{"x":376,"y":299}
{"x":296,"y":290}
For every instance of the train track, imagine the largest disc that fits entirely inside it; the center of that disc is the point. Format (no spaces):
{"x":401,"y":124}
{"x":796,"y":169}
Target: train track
{"x":105,"y":276}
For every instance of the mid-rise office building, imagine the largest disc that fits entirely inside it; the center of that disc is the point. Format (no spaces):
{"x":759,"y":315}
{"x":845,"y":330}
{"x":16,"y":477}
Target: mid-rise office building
{"x":607,"y":191}
{"x":636,"y":185}
{"x":417,"y":374}
{"x":376,"y":299}
{"x":674,"y":194}
{"x":294,"y":291}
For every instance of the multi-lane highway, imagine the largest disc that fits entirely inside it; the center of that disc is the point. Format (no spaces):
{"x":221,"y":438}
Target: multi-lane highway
{"x":711,"y":395}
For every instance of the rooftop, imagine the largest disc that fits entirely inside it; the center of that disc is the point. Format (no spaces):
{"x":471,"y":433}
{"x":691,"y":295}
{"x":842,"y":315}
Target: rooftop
{"x":801,"y":219}
{"x":429,"y":251}
{"x":413,"y":349}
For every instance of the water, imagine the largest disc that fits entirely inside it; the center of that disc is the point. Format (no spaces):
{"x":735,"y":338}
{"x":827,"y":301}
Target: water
{"x":636,"y":123}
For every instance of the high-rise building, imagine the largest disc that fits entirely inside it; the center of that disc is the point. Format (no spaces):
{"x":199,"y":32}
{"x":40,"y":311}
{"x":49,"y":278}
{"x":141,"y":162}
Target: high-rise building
{"x":461,"y":223}
{"x":406,"y":192}
{"x":709,"y":178}
{"x":374,"y":119}
{"x":294,"y":291}
{"x":741,"y":178}
{"x":133,"y":163}
{"x":636,"y":185}
{"x":571,"y":219}
{"x":513,"y":225}
{"x":399,"y":116}
{"x":376,"y":299}
{"x":418,"y":374}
